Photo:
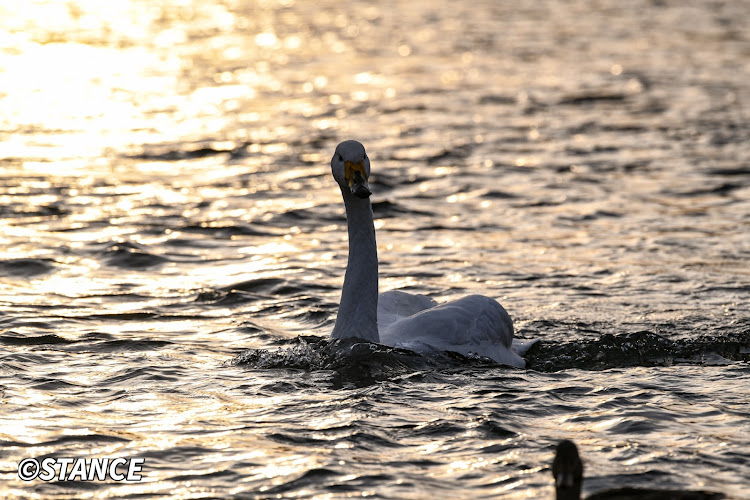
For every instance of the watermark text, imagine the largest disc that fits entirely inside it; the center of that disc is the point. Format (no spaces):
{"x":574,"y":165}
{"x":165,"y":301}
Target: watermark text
{"x":81,"y":469}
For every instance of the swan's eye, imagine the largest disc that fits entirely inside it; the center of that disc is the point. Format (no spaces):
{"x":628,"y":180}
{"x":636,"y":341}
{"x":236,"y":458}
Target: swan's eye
{"x":341,"y":158}
{"x":365,"y":156}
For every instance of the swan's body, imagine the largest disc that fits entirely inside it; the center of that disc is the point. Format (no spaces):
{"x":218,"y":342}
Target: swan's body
{"x":472,"y":325}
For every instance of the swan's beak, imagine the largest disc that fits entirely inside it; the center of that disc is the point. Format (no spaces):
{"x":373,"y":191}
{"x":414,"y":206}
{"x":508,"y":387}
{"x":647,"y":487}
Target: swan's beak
{"x":359,"y":186}
{"x":356,"y":177}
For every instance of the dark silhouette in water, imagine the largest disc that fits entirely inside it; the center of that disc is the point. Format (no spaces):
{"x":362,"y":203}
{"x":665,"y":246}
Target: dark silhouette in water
{"x":568,"y":471}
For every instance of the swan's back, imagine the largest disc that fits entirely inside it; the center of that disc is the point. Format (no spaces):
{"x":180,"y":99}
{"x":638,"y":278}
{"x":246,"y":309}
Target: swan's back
{"x":471,"y":325}
{"x":396,"y":305}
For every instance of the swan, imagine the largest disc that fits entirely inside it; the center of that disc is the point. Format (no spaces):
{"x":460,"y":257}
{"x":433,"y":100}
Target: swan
{"x":567,"y":470}
{"x":471,"y":325}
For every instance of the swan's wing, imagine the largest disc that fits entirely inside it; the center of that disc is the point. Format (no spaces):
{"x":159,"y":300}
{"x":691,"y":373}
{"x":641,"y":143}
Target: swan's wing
{"x":472,"y":325}
{"x":396,"y":305}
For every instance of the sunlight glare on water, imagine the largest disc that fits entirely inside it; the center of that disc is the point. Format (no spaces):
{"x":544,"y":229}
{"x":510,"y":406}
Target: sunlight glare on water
{"x":172,"y":244}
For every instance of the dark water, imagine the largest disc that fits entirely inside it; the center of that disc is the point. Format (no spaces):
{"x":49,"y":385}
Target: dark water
{"x":172,"y":244}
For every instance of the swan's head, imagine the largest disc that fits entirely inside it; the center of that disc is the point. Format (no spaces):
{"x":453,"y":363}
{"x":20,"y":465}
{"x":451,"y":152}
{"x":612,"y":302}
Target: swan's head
{"x":568,"y":471}
{"x":351,"y":168}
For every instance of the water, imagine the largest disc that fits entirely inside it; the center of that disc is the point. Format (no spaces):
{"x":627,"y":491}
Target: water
{"x":173,"y":245}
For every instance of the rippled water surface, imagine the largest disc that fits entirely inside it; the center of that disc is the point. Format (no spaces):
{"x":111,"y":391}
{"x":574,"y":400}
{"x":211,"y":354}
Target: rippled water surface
{"x":173,"y":246}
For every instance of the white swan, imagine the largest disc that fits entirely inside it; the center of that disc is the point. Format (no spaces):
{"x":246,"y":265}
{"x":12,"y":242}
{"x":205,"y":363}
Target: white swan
{"x":474,"y":324}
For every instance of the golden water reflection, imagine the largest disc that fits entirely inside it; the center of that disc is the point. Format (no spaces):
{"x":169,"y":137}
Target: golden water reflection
{"x":85,"y":81}
{"x":199,"y":132}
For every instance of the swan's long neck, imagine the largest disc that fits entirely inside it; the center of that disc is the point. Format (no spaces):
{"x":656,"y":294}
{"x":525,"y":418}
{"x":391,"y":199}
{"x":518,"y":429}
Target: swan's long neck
{"x":358,"y":310}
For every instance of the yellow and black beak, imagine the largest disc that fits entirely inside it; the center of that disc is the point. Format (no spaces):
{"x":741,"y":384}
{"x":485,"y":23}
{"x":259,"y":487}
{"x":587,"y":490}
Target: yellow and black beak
{"x":356,"y":178}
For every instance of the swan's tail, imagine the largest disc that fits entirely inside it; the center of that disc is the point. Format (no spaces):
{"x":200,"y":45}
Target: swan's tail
{"x":521,"y":346}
